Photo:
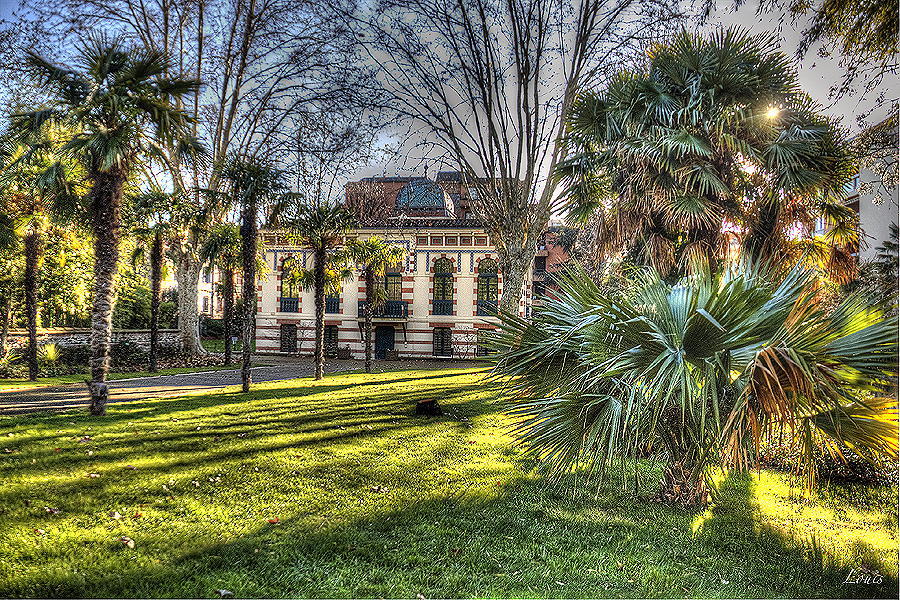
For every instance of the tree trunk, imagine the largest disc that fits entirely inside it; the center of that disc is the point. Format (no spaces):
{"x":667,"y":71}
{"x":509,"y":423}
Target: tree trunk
{"x":106,"y":207}
{"x":683,"y":484}
{"x":514,"y":267}
{"x":156,"y":264}
{"x":32,"y":260}
{"x":4,"y":330}
{"x":320,"y":259}
{"x":248,"y":259}
{"x":367,"y":309}
{"x":187,"y":274}
{"x":228,"y":310}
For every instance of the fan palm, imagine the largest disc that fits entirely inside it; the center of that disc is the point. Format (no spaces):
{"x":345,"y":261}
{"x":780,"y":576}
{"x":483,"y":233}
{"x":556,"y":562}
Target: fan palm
{"x":36,"y":188}
{"x":710,"y":139}
{"x":254,"y":187}
{"x":151,"y":213}
{"x":319,"y":227}
{"x":222,"y":249}
{"x":373,"y":255}
{"x":697,"y":371}
{"x":121,"y":109}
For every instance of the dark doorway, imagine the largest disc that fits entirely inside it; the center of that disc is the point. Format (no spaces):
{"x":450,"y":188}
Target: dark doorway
{"x":289,"y":338}
{"x":384,"y":340}
{"x":331,"y":341}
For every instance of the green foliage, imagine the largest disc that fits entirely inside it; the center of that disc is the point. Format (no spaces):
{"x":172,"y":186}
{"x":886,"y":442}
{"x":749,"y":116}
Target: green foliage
{"x":49,"y":353}
{"x":374,"y":502}
{"x":698,"y":371}
{"x":708,"y":138}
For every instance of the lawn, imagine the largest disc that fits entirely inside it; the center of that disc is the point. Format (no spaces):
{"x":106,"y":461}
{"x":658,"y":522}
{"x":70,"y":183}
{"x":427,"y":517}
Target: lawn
{"x":80,"y":377}
{"x":335,"y":489}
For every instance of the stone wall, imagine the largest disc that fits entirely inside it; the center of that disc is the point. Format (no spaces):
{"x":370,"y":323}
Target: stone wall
{"x":68,"y":337}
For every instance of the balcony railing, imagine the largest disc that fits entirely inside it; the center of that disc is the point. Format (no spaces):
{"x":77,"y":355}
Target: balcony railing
{"x":289,"y":305}
{"x":332,"y":305}
{"x":486,"y":308}
{"x":442,"y":307}
{"x":391,"y":309}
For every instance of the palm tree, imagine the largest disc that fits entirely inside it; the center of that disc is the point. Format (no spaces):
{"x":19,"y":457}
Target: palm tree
{"x":373,"y":255}
{"x":698,"y":371}
{"x":121,"y":110}
{"x":319,"y":227}
{"x":254,"y":187}
{"x":223,"y":250}
{"x":37,"y":188}
{"x":151,"y":210}
{"x":709,"y":139}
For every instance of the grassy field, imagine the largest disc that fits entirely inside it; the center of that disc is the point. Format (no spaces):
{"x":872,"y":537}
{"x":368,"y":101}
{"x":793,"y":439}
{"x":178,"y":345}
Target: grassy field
{"x":79,"y":378}
{"x":335,"y":489}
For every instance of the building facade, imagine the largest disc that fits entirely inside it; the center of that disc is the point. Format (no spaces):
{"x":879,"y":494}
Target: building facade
{"x":439,"y":299}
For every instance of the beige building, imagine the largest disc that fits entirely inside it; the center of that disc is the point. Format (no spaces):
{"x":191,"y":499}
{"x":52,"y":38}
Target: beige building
{"x":439,"y":299}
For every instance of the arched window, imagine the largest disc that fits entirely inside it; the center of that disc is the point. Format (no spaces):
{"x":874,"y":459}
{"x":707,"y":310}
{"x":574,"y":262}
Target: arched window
{"x":442,"y":302}
{"x":487,"y":287}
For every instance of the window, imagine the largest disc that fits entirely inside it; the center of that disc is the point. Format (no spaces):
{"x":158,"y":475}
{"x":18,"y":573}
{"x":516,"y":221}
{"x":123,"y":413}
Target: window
{"x":481,"y":241}
{"x":450,"y":240}
{"x":333,"y":302}
{"x":436,"y":240}
{"x":422,"y":240}
{"x":206,"y":304}
{"x":290,"y":293}
{"x":540,"y":264}
{"x":485,"y":343}
{"x":540,"y":289}
{"x":393,"y":283}
{"x":331,"y":341}
{"x":288,"y":340}
{"x":442,"y":302}
{"x":487,"y":287}
{"x":465,"y":241}
{"x":443,"y":341}
{"x":207,"y":275}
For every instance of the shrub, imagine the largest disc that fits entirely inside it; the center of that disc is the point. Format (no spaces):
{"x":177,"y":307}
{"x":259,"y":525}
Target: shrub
{"x":77,"y":356}
{"x":48,"y":354}
{"x":11,"y":367}
{"x":128,"y":354}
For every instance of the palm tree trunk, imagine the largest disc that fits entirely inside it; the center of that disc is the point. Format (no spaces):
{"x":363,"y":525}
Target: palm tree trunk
{"x":367,"y":308}
{"x":248,"y":258}
{"x":156,"y":260}
{"x":4,"y":330}
{"x":106,"y":207}
{"x":228,"y":310}
{"x":319,"y":274}
{"x":32,"y":259}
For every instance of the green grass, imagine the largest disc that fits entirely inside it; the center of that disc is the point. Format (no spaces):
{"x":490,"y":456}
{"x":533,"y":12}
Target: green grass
{"x":373,"y":501}
{"x":80,"y":377}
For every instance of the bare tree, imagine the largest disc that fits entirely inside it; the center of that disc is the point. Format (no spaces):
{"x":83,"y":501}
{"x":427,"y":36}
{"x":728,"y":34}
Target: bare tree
{"x":489,"y":82}
{"x":265,"y":65}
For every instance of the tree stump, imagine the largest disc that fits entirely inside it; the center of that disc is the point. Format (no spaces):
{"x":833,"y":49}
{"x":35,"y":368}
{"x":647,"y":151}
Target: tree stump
{"x":429,"y":408}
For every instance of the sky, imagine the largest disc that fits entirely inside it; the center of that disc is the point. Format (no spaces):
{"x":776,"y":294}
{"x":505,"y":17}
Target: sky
{"x":816,"y":74}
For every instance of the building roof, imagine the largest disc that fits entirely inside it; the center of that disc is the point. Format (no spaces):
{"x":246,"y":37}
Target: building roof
{"x":423,"y":195}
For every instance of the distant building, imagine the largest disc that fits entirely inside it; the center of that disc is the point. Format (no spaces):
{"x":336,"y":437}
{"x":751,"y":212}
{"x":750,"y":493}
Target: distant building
{"x":439,"y":299}
{"x":873,"y":191}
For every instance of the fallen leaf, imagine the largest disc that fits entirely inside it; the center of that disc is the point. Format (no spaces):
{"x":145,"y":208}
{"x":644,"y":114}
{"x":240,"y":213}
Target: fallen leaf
{"x":225,"y":593}
{"x":85,"y":439}
{"x":93,"y":475}
{"x":127,"y":541}
{"x":130,"y":467}
{"x":115,"y":515}
{"x":56,"y":449}
{"x":137,"y":515}
{"x":275,"y":520}
{"x":51,"y":510}
{"x":40,"y":532}
{"x":7,"y":451}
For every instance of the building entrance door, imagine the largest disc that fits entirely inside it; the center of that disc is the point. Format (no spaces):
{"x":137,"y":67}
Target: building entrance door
{"x":384,"y":340}
{"x":289,"y":338}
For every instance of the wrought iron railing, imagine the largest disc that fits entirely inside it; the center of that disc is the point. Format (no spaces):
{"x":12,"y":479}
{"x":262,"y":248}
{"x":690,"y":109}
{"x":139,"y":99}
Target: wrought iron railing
{"x":289,"y":305}
{"x":390,"y":309}
{"x":486,"y":308}
{"x":442,"y":307}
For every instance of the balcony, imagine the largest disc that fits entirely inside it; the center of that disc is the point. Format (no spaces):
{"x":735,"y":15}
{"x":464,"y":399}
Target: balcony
{"x":391,"y":309}
{"x":486,"y":308}
{"x":442,"y":307}
{"x":332,"y":305}
{"x":289,"y":305}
